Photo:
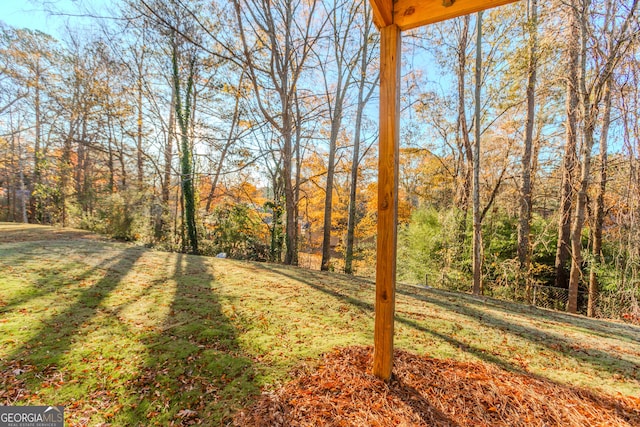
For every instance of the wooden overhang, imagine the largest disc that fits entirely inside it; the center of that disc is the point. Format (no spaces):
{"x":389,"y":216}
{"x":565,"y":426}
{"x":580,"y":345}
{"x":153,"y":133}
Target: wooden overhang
{"x":407,"y":14}
{"x":391,"y":17}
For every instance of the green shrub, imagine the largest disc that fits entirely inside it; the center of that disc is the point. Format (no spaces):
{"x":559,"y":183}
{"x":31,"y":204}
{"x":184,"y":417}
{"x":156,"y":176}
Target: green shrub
{"x":238,"y":231}
{"x":117,"y":215}
{"x":420,"y":248}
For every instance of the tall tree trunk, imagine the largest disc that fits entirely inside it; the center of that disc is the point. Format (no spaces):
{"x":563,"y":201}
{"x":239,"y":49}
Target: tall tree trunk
{"x":569,"y":159}
{"x":344,"y":67}
{"x":11,"y":193}
{"x":291,"y":229}
{"x":123,"y":165}
{"x":165,"y":191}
{"x":291,"y":203}
{"x":298,"y":159}
{"x":524,"y":223}
{"x":596,"y":249}
{"x":65,"y":170}
{"x":36,"y":203}
{"x":464,"y":162}
{"x":275,"y":249}
{"x":23,"y":187}
{"x":110,"y":161}
{"x":139,"y":152}
{"x":578,"y":222}
{"x":363,"y":99}
{"x":168,"y":151}
{"x":465,"y":147}
{"x":184,"y":243}
{"x":477,"y":220}
{"x":589,"y":112}
{"x":328,"y":199}
{"x":184,"y":116}
{"x":80,"y":166}
{"x":88,"y":184}
{"x":355,"y":163}
{"x":618,"y":43}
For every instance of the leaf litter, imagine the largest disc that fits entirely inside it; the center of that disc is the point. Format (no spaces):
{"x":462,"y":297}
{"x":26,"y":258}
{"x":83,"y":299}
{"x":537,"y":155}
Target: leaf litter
{"x":426,"y":391}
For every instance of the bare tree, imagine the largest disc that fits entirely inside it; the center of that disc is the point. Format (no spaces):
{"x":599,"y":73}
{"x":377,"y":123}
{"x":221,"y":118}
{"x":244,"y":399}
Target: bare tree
{"x":571,"y":140}
{"x":477,"y":220}
{"x":342,"y":57}
{"x":277,"y":39}
{"x":591,"y":97}
{"x":369,"y":43}
{"x":599,"y":208}
{"x":524,"y":223}
{"x":463,"y":140}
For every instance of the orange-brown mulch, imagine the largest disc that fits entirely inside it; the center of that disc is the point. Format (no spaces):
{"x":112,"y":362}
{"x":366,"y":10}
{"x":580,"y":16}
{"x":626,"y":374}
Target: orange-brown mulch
{"x":431,"y":392}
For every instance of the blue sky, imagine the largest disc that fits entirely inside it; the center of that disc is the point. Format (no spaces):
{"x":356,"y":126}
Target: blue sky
{"x":47,"y":16}
{"x":21,"y":14}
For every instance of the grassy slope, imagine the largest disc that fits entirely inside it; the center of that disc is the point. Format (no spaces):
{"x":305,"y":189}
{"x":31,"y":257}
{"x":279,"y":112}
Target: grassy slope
{"x":123,"y":334}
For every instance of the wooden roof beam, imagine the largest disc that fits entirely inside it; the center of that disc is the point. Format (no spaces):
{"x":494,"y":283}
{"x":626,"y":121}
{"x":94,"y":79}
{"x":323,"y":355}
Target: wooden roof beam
{"x":409,"y":14}
{"x":382,"y":12}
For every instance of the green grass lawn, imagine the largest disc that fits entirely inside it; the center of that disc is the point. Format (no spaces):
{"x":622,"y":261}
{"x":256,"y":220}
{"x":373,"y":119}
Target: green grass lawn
{"x":126,"y":335}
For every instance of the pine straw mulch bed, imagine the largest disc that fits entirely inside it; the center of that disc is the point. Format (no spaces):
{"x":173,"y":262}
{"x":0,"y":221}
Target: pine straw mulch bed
{"x":431,"y":392}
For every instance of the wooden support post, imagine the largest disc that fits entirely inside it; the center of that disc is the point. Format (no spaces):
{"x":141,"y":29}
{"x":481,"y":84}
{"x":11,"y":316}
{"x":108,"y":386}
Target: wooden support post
{"x":387,"y":200}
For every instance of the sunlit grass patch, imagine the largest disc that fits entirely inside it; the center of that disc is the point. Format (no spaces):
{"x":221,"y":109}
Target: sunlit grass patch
{"x":124,"y":335}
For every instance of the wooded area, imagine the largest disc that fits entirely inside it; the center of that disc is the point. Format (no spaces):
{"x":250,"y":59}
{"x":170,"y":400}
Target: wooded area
{"x":249,"y":128}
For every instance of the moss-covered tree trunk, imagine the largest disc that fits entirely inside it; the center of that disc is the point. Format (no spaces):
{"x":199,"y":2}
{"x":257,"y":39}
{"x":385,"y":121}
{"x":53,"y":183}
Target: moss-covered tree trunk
{"x":183,"y":114}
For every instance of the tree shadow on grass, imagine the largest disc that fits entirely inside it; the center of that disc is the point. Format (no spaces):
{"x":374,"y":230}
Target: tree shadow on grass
{"x":369,"y":308}
{"x":194,"y":370}
{"x":43,"y":286}
{"x":600,"y":327}
{"x":603,"y":328}
{"x":302,"y":276}
{"x":19,"y":232}
{"x":596,"y":358}
{"x":525,"y":332}
{"x":44,"y":352}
